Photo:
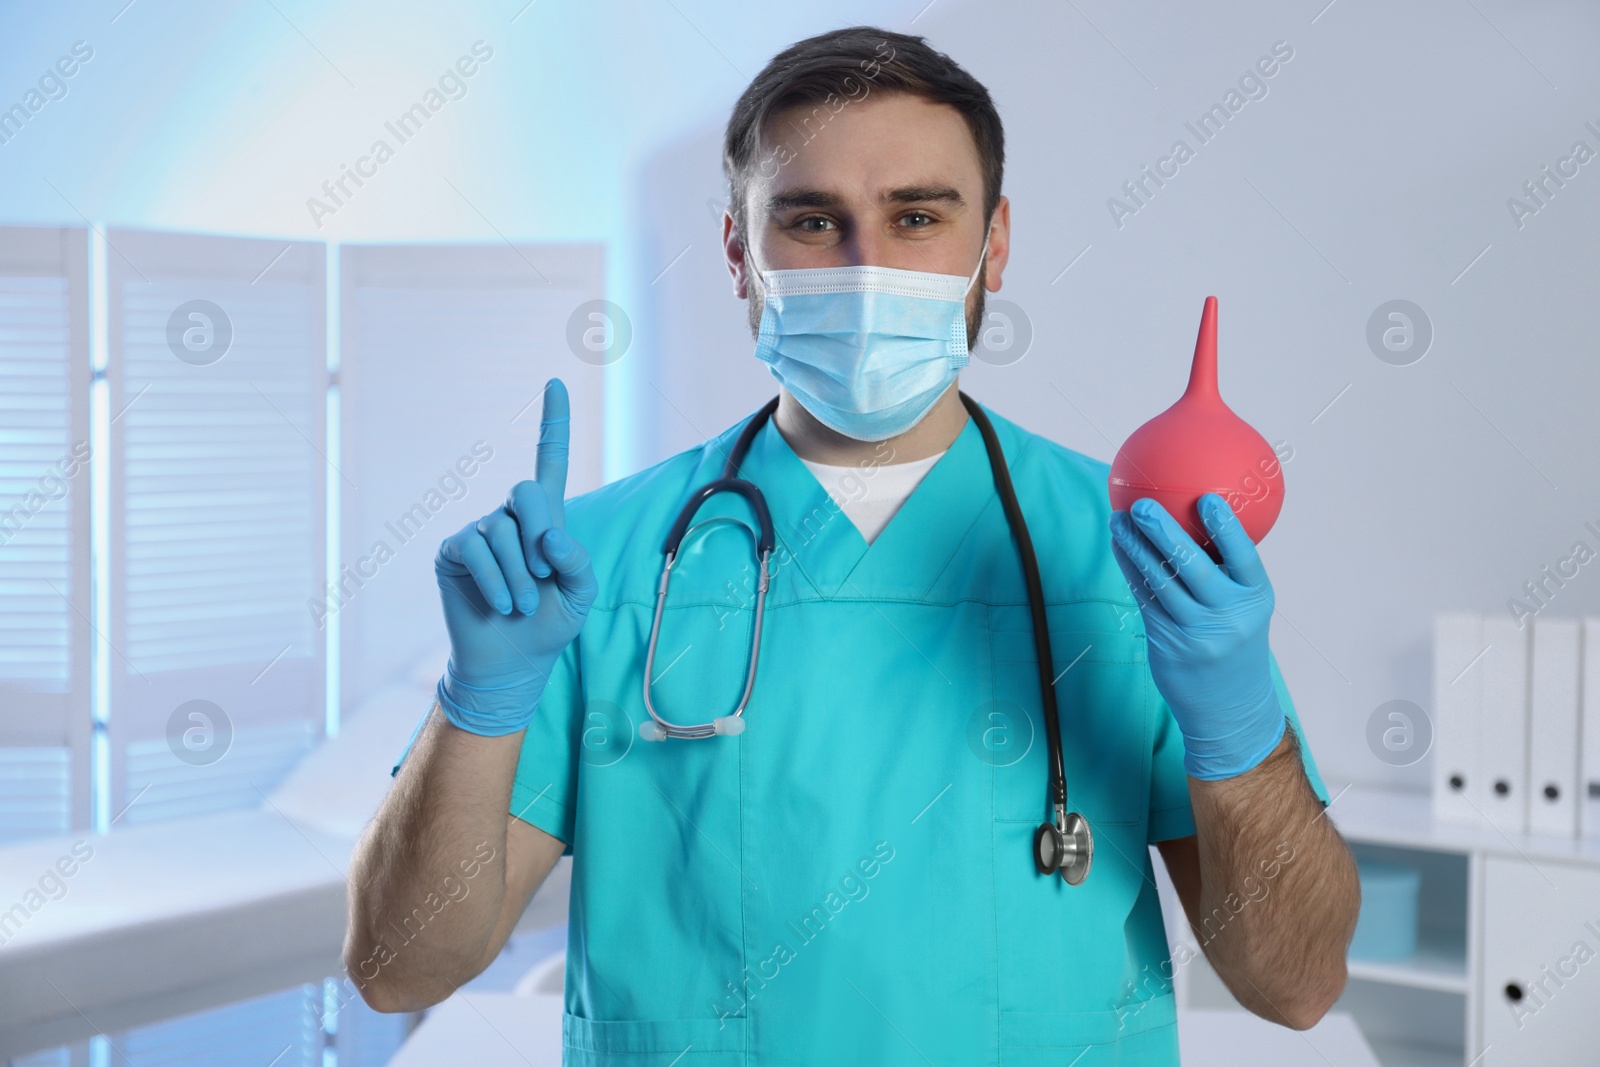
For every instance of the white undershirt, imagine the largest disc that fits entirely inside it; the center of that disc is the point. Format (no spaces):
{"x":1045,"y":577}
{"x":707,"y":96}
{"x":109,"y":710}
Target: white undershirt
{"x":870,"y":493}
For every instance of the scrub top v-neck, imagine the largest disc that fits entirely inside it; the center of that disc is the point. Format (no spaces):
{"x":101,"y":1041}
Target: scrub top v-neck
{"x":850,"y":879}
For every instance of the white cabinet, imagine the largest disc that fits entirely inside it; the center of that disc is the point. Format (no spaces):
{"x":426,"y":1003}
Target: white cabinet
{"x":1500,"y":915}
{"x":1540,"y":925}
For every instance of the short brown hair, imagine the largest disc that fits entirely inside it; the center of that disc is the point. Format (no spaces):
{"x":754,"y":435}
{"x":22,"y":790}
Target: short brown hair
{"x":834,"y":66}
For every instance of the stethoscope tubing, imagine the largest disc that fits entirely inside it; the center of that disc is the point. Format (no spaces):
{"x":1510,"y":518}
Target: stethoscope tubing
{"x":1071,"y":838}
{"x":707,"y":729}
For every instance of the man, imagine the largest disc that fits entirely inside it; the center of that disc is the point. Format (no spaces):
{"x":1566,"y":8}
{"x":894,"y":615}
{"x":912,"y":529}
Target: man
{"x":844,"y":870}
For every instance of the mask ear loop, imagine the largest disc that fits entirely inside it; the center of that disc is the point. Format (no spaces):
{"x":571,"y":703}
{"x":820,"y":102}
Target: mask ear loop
{"x":765,"y":289}
{"x":761,"y":275}
{"x":983,"y":258}
{"x":961,"y":357}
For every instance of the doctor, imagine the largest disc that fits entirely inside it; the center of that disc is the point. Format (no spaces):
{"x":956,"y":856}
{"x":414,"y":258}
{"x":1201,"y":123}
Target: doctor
{"x":849,"y":878}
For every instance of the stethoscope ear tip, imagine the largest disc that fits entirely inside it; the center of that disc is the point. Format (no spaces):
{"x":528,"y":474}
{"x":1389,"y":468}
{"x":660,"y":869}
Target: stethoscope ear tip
{"x":651,"y":730}
{"x":728,"y":725}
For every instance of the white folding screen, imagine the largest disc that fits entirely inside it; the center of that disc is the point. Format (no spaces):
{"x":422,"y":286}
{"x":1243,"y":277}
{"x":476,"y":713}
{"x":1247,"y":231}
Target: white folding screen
{"x":445,"y":350}
{"x":212,"y":425}
{"x":217,"y":372}
{"x":44,"y":531}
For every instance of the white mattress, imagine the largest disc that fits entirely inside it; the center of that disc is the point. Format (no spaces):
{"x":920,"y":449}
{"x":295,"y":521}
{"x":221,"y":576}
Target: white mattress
{"x":176,"y":916}
{"x":165,"y":918}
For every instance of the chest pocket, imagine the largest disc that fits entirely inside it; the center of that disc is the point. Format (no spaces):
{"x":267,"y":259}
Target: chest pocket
{"x":1101,"y":685}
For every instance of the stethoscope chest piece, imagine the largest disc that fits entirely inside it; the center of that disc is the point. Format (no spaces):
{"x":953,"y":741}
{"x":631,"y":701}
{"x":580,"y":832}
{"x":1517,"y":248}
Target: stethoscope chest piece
{"x":1067,"y":846}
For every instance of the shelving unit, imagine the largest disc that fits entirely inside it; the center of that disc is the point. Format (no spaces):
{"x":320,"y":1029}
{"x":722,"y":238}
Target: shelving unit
{"x":1401,"y":1054}
{"x":1495,"y":910}
{"x":1480,"y":928}
{"x":1440,"y":964}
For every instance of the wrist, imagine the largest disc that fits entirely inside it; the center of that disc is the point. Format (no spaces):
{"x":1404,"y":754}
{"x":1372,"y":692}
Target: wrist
{"x":1226,"y":744}
{"x":488,"y":711}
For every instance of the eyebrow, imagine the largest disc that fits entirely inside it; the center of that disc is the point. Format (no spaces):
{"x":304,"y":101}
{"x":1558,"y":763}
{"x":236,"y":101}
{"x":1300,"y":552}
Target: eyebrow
{"x":906,"y":194}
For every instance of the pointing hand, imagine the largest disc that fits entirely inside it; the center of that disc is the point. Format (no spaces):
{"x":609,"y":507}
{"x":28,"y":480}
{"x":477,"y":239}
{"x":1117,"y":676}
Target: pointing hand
{"x":516,"y":589}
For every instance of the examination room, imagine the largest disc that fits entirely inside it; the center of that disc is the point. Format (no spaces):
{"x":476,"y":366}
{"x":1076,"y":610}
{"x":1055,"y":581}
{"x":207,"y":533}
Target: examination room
{"x":902,"y":533}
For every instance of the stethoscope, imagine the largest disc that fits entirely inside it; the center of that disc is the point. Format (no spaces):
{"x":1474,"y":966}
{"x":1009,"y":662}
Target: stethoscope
{"x":1065,"y":845}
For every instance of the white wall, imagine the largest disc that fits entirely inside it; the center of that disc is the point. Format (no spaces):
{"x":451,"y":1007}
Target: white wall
{"x":1378,"y":166}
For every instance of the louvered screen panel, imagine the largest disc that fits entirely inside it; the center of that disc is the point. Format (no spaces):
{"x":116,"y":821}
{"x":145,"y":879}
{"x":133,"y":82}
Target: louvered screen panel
{"x":171,"y":789}
{"x":217,"y":371}
{"x":445,"y":351}
{"x":35,"y":490}
{"x":44,"y":541}
{"x":35,"y":792}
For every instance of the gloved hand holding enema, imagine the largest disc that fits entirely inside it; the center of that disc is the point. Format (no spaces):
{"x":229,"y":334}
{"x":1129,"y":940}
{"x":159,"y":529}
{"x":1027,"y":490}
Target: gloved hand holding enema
{"x":1206,"y":627}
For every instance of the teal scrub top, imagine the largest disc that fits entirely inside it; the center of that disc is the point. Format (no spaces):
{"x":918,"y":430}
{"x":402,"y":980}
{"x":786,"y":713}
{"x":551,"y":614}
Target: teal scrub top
{"x":850,"y":880}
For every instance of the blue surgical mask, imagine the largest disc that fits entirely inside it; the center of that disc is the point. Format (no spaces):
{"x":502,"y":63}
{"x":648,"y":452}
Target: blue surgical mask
{"x":867,"y":350}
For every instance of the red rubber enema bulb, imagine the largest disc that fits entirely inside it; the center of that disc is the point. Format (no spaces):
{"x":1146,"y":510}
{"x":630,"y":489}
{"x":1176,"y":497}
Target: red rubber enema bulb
{"x":1200,"y":446}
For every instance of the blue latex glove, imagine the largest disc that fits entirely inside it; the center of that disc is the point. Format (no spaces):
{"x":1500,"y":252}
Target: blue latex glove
{"x":1207,"y":632}
{"x":515,"y":589}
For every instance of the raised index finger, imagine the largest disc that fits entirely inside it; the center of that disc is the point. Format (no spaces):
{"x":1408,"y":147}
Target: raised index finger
{"x":550,"y":464}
